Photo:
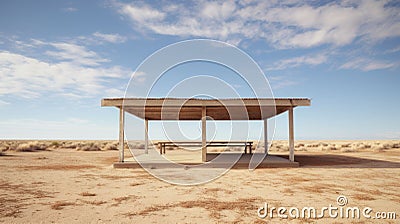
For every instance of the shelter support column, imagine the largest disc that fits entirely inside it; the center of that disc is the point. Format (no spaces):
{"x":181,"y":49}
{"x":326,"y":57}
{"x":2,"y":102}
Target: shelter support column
{"x":265,"y":136}
{"x":291,"y":135}
{"x":146,"y":136}
{"x":203,"y":134}
{"x":121,"y":134}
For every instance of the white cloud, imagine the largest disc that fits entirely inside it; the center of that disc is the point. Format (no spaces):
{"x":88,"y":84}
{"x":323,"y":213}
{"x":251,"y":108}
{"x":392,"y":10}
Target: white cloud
{"x":98,"y":38}
{"x":139,"y":76}
{"x":70,"y":9}
{"x":367,"y":64}
{"x":298,"y":61}
{"x":142,"y":13}
{"x":66,"y":69}
{"x":75,"y":53}
{"x":284,"y":24}
{"x":112,"y":38}
{"x":113,"y":92}
{"x":30,"y":77}
{"x":278,"y":82}
{"x":393,"y":50}
{"x":3,"y":103}
{"x":218,"y":10}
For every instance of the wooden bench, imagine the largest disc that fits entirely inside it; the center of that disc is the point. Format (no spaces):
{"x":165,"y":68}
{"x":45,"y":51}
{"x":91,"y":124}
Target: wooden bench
{"x":247,"y":144}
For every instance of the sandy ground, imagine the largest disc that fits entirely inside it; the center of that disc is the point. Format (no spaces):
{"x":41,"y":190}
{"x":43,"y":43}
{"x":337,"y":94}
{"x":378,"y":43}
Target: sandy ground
{"x":63,"y":185}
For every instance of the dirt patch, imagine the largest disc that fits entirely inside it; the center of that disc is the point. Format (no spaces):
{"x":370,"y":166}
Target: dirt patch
{"x":363,"y":197}
{"x":120,"y":200}
{"x":95,"y":202}
{"x":87,"y":194}
{"x":58,"y":205}
{"x":58,"y":167}
{"x":14,"y":201}
{"x":212,"y":205}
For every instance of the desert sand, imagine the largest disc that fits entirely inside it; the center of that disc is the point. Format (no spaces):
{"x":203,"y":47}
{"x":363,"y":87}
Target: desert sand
{"x":74,"y":181}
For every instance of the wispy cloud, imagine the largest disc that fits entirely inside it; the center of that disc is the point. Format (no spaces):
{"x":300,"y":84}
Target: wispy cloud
{"x":111,"y":38}
{"x":298,"y":61}
{"x":70,"y":9}
{"x":279,"y":82}
{"x":139,"y":76}
{"x":3,"y":103}
{"x":98,"y":38}
{"x":68,"y":70}
{"x":75,"y":53}
{"x":284,"y":24}
{"x":30,"y":77}
{"x":393,"y":50}
{"x":367,"y":64}
{"x":142,"y":14}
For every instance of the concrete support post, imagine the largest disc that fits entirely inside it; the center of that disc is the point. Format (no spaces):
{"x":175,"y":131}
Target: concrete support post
{"x":291,"y":135}
{"x":265,"y":136}
{"x":146,"y":136}
{"x":203,"y":134}
{"x":121,"y":134}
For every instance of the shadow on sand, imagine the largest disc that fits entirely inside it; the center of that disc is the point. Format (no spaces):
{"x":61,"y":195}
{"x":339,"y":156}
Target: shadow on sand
{"x":341,"y":161}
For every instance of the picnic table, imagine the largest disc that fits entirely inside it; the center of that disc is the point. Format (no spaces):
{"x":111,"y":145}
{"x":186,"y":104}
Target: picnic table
{"x":246,"y":144}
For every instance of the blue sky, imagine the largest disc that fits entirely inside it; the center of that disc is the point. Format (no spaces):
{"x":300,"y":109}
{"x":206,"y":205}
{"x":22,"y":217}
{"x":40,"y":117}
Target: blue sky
{"x":59,"y":58}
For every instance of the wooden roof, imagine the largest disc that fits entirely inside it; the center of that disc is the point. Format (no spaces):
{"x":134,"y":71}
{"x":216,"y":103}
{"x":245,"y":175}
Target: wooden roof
{"x":217,"y":109}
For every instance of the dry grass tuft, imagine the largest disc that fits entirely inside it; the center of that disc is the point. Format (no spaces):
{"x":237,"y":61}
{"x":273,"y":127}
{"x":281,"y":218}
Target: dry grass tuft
{"x":135,"y":184}
{"x":288,"y":191}
{"x":119,"y":200}
{"x":215,"y":190}
{"x":313,"y":189}
{"x":242,"y":206}
{"x":55,"y":144}
{"x":329,"y":148}
{"x":140,"y":146}
{"x":297,"y":179}
{"x":312,"y":145}
{"x":88,"y":147}
{"x":111,"y":146}
{"x":30,"y":147}
{"x":302,"y":149}
{"x":393,"y":145}
{"x":12,"y":207}
{"x":87,"y":194}
{"x":363,"y":197}
{"x":94,"y":202}
{"x":378,"y":148}
{"x":38,"y":182}
{"x":58,"y":205}
{"x":347,"y":150}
